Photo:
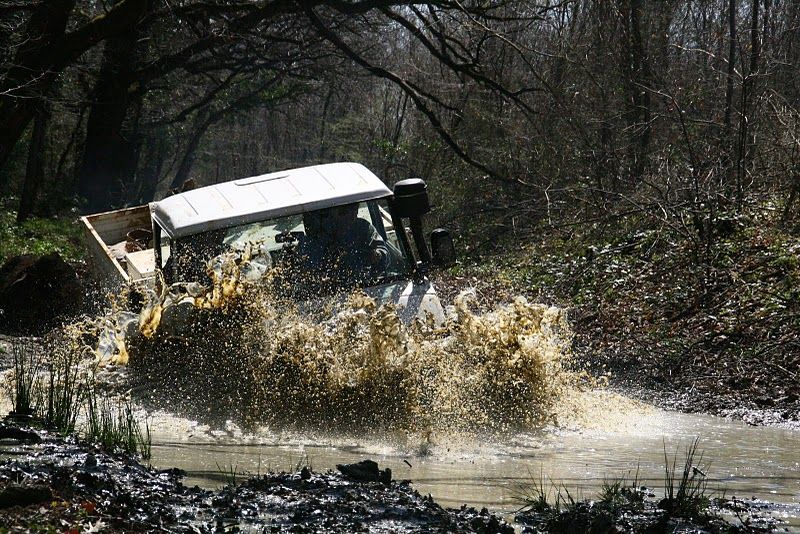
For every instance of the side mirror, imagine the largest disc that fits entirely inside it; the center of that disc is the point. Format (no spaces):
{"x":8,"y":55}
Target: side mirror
{"x":443,"y":251}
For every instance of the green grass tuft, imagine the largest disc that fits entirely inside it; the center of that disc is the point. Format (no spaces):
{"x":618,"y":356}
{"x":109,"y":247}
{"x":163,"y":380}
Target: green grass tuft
{"x":685,"y":495}
{"x":112,"y":424}
{"x":40,"y":236}
{"x":64,"y":391}
{"x":230,"y":474}
{"x":621,"y":502}
{"x":620,"y":494}
{"x":50,"y":387}
{"x":26,"y":379}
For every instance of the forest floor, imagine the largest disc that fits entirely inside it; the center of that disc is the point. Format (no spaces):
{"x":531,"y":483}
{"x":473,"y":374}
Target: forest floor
{"x":701,"y":329}
{"x":40,"y":235}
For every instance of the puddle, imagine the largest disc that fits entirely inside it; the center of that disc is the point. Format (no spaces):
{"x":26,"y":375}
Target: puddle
{"x":739,"y":460}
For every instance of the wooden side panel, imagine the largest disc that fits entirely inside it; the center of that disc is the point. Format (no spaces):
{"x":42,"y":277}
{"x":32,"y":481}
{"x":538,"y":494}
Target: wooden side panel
{"x":103,"y":266}
{"x":106,"y":229}
{"x":113,"y":226}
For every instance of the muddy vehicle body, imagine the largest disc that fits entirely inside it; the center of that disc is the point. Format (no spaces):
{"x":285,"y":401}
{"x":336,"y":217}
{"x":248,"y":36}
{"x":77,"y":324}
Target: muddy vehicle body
{"x":280,"y":219}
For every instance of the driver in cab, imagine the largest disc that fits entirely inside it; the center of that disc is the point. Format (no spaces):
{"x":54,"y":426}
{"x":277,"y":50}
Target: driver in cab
{"x":342,"y":247}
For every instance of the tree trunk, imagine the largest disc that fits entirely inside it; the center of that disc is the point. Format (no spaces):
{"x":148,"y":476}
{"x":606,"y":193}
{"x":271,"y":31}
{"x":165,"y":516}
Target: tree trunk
{"x":640,"y":64}
{"x":606,"y":172}
{"x":60,"y":172}
{"x":45,"y":52}
{"x":323,"y":141}
{"x":34,"y":174}
{"x":201,"y":123}
{"x":746,"y":115}
{"x":149,"y":174}
{"x":636,"y":78}
{"x":731,"y":63}
{"x":107,"y":150}
{"x":729,"y":150}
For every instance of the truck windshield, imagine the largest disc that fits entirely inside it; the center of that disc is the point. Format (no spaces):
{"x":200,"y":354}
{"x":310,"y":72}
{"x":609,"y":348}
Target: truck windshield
{"x":318,"y":251}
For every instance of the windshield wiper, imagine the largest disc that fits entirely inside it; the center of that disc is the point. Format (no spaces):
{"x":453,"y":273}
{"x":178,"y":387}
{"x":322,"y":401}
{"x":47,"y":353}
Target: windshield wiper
{"x":387,"y":279}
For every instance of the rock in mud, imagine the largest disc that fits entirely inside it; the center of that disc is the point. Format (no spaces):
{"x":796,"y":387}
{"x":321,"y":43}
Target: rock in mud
{"x":24,"y":495}
{"x":36,"y":292}
{"x":365,"y":471}
{"x":333,"y":503}
{"x":18,"y":434}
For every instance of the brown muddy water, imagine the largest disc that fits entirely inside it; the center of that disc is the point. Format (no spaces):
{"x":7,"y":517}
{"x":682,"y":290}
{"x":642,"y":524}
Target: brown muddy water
{"x":621,"y":439}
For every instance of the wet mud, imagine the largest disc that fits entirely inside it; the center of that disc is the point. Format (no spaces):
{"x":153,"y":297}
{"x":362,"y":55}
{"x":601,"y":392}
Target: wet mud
{"x":356,"y":367}
{"x":50,"y":484}
{"x":768,"y":395}
{"x":641,"y":513}
{"x":64,"y":486}
{"x":675,"y":397}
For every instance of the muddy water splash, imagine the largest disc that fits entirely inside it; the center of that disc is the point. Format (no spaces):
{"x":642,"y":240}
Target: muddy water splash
{"x":237,"y":349}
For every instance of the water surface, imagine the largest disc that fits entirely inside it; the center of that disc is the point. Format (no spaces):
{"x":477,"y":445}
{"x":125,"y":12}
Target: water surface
{"x":739,"y":460}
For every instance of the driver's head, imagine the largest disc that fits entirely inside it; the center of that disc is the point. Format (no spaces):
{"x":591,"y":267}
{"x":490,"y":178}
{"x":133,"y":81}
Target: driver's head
{"x":331,"y":221}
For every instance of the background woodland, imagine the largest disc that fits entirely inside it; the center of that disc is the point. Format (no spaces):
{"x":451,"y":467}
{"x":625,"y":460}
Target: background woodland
{"x":518,"y":112}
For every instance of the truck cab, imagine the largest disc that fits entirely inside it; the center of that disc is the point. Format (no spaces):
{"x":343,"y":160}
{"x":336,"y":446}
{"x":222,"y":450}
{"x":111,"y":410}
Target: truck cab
{"x":328,"y":228}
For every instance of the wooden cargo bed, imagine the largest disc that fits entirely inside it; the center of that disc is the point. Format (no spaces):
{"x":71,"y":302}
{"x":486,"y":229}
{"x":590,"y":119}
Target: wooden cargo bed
{"x":106,"y":234}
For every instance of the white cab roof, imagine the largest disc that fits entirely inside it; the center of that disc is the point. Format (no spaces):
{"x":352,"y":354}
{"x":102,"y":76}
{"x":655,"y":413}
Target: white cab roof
{"x":263,"y":197}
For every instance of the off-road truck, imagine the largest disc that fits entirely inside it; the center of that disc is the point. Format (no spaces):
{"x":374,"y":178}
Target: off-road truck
{"x":172,"y":239}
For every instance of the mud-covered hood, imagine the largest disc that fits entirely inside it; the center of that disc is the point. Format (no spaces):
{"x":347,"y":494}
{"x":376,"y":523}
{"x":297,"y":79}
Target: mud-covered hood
{"x":413,"y":300}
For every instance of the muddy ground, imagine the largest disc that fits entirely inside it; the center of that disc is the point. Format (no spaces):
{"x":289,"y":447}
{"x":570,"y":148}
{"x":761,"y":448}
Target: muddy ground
{"x":50,"y":484}
{"x":63,"y":486}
